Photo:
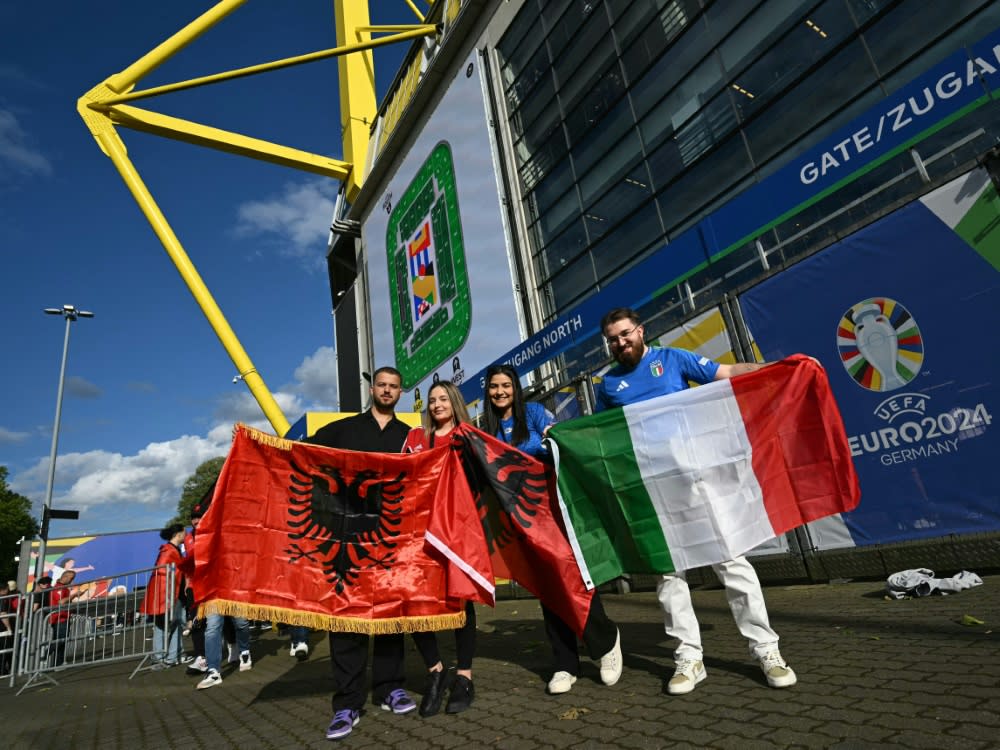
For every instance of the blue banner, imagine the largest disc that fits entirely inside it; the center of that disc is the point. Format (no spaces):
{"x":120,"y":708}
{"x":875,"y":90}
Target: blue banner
{"x":900,"y":315}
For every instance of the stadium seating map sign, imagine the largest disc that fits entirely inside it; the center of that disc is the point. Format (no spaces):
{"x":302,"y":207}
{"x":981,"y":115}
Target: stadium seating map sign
{"x":428,"y":276}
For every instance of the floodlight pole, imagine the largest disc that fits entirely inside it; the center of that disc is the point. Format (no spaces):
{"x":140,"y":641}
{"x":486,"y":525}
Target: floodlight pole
{"x":70,"y":313}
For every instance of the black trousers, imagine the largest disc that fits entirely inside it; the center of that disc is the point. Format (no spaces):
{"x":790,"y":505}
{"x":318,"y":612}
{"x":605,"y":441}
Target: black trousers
{"x":465,"y":642}
{"x":599,"y":634}
{"x":349,"y":659}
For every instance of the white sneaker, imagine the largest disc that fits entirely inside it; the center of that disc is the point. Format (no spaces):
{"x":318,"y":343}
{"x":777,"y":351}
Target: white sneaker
{"x":777,"y":671}
{"x":299,"y":650}
{"x":687,"y":674}
{"x":212,"y":679}
{"x":611,"y":663}
{"x":561,"y":682}
{"x":246,"y":663}
{"x":198,"y":665}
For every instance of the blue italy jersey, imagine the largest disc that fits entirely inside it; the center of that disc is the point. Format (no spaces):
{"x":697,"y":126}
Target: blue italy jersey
{"x":537,"y":418}
{"x":659,"y":372}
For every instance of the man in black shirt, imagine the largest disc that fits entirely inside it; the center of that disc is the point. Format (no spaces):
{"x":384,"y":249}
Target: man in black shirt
{"x":377,"y":431}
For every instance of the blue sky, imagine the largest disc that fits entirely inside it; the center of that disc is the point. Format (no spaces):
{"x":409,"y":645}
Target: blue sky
{"x":149,"y":392}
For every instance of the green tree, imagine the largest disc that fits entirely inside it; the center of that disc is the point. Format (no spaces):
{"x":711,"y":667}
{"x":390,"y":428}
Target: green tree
{"x":196,"y":486}
{"x":15,"y":521}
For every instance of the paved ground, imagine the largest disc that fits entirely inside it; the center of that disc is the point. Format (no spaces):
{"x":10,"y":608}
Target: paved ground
{"x":872,"y":673}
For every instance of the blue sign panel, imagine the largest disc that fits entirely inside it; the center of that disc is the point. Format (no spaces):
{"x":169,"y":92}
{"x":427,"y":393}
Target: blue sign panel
{"x":900,"y":315}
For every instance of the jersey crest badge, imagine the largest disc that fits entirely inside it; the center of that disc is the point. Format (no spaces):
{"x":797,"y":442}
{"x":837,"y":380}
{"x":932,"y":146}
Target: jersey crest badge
{"x":656,"y":368}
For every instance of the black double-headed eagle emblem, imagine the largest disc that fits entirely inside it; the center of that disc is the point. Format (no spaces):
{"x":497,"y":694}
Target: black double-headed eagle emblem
{"x":508,"y":484}
{"x":346,"y":523}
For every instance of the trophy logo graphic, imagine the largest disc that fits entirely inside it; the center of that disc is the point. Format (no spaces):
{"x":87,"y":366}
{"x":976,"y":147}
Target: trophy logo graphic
{"x":428,"y":274}
{"x":880,"y":344}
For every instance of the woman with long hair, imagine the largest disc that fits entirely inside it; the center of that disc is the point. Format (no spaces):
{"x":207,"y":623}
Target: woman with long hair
{"x":165,"y":605}
{"x":445,"y":411}
{"x":524,"y":425}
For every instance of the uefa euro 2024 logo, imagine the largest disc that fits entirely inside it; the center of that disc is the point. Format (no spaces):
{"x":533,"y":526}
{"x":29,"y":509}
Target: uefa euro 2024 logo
{"x":880,"y":344}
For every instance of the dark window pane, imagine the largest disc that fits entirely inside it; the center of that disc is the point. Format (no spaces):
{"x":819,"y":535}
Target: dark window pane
{"x":680,"y":104}
{"x":806,"y":42}
{"x":536,"y":69}
{"x":699,"y":185}
{"x":598,"y":97}
{"x":617,"y":125}
{"x":558,"y":182}
{"x":626,"y":242}
{"x":613,"y":167}
{"x":646,"y":28}
{"x":674,"y":66}
{"x":760,"y":29}
{"x":806,"y":105}
{"x":520,"y":29}
{"x":910,"y":26}
{"x":574,"y":281}
{"x":559,"y":252}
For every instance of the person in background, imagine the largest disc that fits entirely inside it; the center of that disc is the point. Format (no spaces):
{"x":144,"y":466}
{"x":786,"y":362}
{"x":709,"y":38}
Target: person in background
{"x":196,"y":625}
{"x":164,"y":599}
{"x":60,"y":597}
{"x":524,"y":424}
{"x":445,"y":411}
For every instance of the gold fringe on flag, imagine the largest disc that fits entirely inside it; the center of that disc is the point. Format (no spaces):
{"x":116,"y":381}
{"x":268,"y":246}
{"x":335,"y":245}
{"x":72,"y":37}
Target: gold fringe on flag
{"x":262,"y":437}
{"x":318,"y":621}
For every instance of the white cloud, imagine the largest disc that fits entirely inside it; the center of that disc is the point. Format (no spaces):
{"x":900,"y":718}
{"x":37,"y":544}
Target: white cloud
{"x":317,"y":378}
{"x":16,"y":150}
{"x":118,"y":492}
{"x":10,"y":436}
{"x":82,"y":388}
{"x":152,"y":478}
{"x":298,"y":218}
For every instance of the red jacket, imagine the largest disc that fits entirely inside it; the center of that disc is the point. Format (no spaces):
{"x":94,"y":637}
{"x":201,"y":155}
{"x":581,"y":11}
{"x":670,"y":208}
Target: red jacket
{"x":57,"y":595}
{"x":155,"y":597}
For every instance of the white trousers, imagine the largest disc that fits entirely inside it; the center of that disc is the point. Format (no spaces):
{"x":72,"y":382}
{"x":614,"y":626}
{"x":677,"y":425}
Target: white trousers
{"x":746,"y":601}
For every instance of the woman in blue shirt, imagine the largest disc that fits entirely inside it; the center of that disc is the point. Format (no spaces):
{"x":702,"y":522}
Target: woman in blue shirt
{"x":523,"y":425}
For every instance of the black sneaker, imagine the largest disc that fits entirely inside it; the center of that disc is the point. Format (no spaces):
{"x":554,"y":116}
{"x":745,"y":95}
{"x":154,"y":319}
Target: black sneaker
{"x":398,"y":702}
{"x":343,"y":723}
{"x":461,"y":696}
{"x":433,"y":693}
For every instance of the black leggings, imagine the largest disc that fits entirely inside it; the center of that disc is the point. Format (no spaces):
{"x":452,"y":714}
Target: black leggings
{"x":465,"y":642}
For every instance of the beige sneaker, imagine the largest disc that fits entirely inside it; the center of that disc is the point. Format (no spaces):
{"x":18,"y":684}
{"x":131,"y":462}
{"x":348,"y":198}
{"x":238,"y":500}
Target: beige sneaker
{"x":611,"y":663}
{"x":561,"y":682}
{"x":777,"y":671}
{"x":687,"y":674}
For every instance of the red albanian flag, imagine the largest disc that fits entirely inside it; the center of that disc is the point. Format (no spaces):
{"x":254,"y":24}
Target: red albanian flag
{"x":518,"y":506}
{"x":338,"y":540}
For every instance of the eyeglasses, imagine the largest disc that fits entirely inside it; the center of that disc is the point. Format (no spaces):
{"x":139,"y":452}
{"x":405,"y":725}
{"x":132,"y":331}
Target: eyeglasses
{"x":623,"y":335}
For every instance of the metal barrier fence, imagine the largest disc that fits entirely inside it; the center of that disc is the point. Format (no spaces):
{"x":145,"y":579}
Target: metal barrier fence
{"x":98,"y":622}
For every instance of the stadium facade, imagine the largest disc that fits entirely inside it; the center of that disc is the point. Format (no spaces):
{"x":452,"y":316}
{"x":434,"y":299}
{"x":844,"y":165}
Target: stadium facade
{"x":756,"y":178}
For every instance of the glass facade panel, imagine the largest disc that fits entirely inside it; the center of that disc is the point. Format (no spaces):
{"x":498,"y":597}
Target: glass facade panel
{"x":806,"y":105}
{"x":573,"y":282}
{"x":910,"y":26}
{"x":632,"y":120}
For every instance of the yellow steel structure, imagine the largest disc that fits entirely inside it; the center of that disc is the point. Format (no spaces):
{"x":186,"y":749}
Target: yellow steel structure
{"x":105,"y":107}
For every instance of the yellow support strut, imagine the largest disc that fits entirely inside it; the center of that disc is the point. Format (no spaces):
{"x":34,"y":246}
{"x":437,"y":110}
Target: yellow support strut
{"x":104,"y":107}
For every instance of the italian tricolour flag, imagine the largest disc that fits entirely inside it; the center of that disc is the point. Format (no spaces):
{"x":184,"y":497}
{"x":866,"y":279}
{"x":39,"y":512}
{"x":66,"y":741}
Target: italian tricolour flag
{"x":703,"y":475}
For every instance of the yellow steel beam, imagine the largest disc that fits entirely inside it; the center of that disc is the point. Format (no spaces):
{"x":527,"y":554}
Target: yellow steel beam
{"x":161,"y":53}
{"x":397,"y":33}
{"x":224,"y":140}
{"x":113,"y":146}
{"x":103,"y":107}
{"x":415,"y":9}
{"x":357,"y":90}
